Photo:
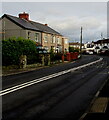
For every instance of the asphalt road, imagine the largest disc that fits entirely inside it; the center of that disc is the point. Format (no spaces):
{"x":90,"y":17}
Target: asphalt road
{"x":65,"y":96}
{"x":12,"y":80}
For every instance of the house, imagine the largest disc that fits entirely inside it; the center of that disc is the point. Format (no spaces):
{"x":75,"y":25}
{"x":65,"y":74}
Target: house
{"x":88,"y":48}
{"x":102,"y":43}
{"x":44,"y":36}
{"x":97,"y":46}
{"x":75,"y":45}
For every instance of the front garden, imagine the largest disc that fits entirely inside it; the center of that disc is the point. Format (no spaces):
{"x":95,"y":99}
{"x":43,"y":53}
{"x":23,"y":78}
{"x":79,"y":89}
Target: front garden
{"x":15,"y":49}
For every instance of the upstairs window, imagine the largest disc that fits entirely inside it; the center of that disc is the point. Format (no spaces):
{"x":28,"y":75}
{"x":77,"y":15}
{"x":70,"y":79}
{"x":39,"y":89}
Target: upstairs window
{"x":53,"y":39}
{"x":29,"y":35}
{"x":45,"y":38}
{"x":37,"y":37}
{"x":66,"y":41}
{"x":58,"y":40}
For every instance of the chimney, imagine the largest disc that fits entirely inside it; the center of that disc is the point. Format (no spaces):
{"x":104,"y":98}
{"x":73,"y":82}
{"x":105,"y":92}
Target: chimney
{"x":46,"y":24}
{"x":24,"y":16}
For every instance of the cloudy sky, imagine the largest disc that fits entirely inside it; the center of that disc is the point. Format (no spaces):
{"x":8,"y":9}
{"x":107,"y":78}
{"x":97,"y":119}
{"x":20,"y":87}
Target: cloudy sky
{"x":66,"y":17}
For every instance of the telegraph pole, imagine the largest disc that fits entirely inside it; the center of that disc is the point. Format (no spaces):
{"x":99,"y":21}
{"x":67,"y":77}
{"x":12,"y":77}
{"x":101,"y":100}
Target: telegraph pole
{"x":101,"y":36}
{"x":81,"y":40}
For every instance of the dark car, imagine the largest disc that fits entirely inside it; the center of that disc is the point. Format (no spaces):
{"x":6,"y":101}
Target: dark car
{"x":104,"y":52}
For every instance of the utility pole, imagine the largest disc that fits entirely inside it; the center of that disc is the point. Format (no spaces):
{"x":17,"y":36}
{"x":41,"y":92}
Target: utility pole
{"x":101,"y":36}
{"x":81,"y":40}
{"x":101,"y":39}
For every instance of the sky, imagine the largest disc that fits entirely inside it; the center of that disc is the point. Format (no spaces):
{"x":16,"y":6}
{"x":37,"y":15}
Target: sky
{"x":66,"y":17}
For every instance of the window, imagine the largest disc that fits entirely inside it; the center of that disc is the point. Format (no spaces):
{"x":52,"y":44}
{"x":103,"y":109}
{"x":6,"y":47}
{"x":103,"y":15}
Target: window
{"x":52,"y":39}
{"x":66,"y":41}
{"x":58,"y":40}
{"x":45,"y":38}
{"x":37,"y":37}
{"x":90,"y":46}
{"x":29,"y":35}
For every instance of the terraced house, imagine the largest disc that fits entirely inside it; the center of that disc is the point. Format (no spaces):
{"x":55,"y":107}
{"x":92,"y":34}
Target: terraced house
{"x":44,"y":36}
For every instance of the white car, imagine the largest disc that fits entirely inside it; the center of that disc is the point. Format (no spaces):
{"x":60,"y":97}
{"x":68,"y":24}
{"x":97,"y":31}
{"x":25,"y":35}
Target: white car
{"x":90,"y":52}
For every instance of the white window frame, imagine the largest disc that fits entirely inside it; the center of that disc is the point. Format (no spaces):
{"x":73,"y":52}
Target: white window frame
{"x":66,"y":41}
{"x":58,"y":40}
{"x":37,"y":37}
{"x":46,"y":38}
{"x":54,"y":38}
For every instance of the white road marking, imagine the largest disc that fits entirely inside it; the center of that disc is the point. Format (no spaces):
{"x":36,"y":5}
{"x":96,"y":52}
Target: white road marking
{"x":18,"y":87}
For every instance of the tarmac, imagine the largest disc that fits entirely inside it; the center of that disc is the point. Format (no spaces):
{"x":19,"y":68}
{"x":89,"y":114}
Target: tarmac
{"x":6,"y":72}
{"x":98,"y":109}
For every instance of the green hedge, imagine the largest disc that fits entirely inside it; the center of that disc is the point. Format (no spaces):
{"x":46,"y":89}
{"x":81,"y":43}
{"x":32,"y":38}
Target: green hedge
{"x":13,"y":48}
{"x":55,"y":56}
{"x":72,"y":49}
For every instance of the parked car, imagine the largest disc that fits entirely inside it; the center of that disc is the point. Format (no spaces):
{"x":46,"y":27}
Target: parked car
{"x":97,"y":49}
{"x":90,"y":52}
{"x":104,"y":52}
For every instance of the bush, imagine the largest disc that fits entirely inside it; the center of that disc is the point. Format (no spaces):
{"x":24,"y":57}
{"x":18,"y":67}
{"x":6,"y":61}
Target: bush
{"x":52,"y":55}
{"x":55,"y":57}
{"x":13,"y":48}
{"x":58,"y":56}
{"x":72,"y":49}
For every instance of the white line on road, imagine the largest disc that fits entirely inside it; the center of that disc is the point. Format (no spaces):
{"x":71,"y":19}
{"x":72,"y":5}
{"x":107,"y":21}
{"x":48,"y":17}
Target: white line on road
{"x":18,"y":87}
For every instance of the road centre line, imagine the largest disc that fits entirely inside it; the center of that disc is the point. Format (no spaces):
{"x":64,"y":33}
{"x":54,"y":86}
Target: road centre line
{"x":18,"y":87}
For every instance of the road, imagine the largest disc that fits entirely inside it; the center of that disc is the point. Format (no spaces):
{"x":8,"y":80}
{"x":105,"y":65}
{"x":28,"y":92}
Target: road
{"x":67,"y":95}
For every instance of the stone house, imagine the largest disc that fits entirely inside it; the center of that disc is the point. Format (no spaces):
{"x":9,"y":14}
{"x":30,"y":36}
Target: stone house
{"x":44,"y":36}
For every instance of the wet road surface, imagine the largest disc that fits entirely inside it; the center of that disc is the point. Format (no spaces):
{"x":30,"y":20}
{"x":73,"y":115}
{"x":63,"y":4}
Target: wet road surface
{"x":65,"y":96}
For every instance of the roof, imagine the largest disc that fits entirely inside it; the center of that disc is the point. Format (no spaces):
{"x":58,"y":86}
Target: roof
{"x":44,"y":28}
{"x":21,"y":22}
{"x":31,"y":25}
{"x":102,"y":41}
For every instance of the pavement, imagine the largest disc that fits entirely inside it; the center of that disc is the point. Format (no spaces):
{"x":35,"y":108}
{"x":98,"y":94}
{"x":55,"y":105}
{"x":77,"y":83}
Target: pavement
{"x":99,"y":108}
{"x":103,"y":95}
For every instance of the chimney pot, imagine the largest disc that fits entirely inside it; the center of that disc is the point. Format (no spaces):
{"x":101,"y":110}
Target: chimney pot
{"x":46,"y":24}
{"x":24,"y":16}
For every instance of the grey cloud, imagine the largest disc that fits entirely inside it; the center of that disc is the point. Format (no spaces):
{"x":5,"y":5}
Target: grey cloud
{"x":70,"y":27}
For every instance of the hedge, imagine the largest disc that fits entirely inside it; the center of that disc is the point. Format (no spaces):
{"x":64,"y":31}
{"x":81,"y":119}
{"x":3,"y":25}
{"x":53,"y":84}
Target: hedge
{"x":72,"y":49}
{"x":13,"y":48}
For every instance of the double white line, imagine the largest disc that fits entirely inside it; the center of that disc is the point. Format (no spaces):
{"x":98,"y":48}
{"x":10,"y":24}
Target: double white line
{"x":18,"y":87}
